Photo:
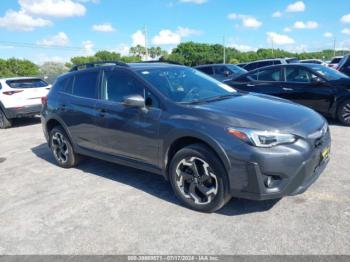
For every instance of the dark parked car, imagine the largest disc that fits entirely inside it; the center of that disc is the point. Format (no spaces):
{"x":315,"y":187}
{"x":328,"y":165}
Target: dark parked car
{"x":208,"y":140}
{"x":268,"y":62}
{"x":221,"y":72}
{"x":319,"y":87}
{"x":344,"y":65}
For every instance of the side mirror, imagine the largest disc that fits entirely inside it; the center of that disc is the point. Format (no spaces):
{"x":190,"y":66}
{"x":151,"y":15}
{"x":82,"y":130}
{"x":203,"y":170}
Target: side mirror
{"x":318,"y":81}
{"x":227,"y":73}
{"x":135,"y":101}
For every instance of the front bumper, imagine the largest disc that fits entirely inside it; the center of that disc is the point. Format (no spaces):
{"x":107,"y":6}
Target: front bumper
{"x":24,"y":111}
{"x":291,"y":171}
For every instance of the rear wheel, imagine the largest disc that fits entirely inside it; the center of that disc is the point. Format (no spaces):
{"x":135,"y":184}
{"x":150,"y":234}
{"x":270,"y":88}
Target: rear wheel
{"x":62,"y":148}
{"x":344,"y":113}
{"x":4,"y":121}
{"x":199,"y":179}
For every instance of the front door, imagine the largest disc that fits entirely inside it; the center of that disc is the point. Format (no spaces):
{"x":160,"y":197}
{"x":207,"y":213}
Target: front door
{"x":124,"y":131}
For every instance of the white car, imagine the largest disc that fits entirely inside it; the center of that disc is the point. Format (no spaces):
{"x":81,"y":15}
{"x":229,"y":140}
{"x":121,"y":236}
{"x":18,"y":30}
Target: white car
{"x":335,"y":61}
{"x":313,"y":61}
{"x":20,"y":97}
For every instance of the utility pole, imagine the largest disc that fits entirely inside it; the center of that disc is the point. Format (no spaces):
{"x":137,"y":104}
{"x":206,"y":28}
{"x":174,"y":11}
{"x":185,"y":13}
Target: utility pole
{"x":146,"y":36}
{"x":272,"y":50}
{"x":334,"y":46}
{"x":224,"y":46}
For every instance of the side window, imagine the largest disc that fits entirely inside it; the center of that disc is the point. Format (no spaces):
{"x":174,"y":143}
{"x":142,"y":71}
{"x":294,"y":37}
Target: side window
{"x":85,"y":84}
{"x":0,"y":86}
{"x":271,"y":75}
{"x":220,"y":70}
{"x":251,"y":66}
{"x":253,"y":76}
{"x":298,"y":75}
{"x":277,"y":62}
{"x":152,"y":100}
{"x":118,"y":84}
{"x":206,"y":70}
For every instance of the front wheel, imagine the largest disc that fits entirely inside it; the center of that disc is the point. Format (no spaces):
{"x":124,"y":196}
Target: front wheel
{"x":199,"y":179}
{"x":62,"y":148}
{"x":4,"y":121}
{"x":344,"y":113}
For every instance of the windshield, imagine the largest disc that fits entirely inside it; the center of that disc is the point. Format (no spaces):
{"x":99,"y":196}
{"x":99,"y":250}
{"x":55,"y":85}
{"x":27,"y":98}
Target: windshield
{"x":185,"y":85}
{"x":236,"y":69}
{"x":328,"y":73}
{"x":26,"y":83}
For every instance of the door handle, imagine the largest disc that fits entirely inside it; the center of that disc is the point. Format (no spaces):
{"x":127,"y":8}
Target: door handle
{"x":287,"y":89}
{"x":102,"y":112}
{"x":250,"y":85}
{"x":62,"y":107}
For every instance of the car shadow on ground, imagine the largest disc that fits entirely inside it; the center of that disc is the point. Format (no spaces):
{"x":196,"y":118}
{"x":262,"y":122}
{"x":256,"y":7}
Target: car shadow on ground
{"x":25,"y":121}
{"x":151,"y":183}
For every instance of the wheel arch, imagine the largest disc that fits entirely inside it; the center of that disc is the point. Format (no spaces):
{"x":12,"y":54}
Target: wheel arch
{"x":52,"y":122}
{"x":186,"y":139}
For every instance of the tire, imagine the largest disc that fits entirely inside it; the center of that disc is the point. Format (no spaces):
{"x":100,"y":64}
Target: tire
{"x":204,"y":190}
{"x":4,"y":121}
{"x":344,"y":113}
{"x":62,"y":149}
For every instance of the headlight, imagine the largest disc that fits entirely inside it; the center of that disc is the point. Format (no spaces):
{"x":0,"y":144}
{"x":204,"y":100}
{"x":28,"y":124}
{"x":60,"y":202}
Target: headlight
{"x":261,"y":138}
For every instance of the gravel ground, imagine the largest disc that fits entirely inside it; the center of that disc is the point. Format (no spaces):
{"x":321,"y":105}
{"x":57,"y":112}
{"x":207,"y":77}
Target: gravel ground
{"x":103,"y":208}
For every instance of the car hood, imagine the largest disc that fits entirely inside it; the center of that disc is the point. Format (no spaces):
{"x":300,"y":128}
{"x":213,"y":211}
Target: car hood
{"x":263,"y":112}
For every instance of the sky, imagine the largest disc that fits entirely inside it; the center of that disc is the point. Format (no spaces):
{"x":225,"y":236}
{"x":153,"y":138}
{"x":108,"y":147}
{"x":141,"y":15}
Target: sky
{"x":55,"y":30}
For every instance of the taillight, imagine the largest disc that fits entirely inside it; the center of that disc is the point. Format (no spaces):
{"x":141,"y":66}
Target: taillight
{"x":10,"y":93}
{"x":44,"y":100}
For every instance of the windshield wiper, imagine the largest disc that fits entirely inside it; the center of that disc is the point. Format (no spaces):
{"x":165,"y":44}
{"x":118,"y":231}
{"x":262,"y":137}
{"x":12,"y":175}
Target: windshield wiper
{"x":211,"y":99}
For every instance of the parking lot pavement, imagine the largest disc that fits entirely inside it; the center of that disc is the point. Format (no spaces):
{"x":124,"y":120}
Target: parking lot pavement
{"x":103,"y":208}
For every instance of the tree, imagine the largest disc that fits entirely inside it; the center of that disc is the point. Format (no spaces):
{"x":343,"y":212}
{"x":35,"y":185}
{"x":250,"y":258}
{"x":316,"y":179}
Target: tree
{"x":17,"y":67}
{"x":50,"y":70}
{"x":138,"y":51}
{"x":107,"y":56}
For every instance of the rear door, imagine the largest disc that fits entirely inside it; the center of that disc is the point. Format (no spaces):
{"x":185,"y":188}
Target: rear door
{"x":304,"y":87}
{"x":124,"y":131}
{"x":76,"y":107}
{"x":266,"y":81}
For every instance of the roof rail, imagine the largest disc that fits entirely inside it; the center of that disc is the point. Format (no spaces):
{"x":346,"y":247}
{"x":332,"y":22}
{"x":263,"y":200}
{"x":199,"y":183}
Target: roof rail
{"x":96,"y":64}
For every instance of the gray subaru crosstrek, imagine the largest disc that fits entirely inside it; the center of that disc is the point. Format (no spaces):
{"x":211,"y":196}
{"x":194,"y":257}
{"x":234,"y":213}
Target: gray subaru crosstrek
{"x":210,"y":141}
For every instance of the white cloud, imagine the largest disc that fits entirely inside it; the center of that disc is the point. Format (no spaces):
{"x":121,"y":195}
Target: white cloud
{"x":138,"y":38}
{"x":305,"y":25}
{"x":345,"y":19}
{"x":55,"y":8}
{"x":20,"y":21}
{"x":60,"y":39}
{"x":328,"y":34}
{"x":167,"y":37}
{"x":122,"y":49}
{"x":106,"y":28}
{"x":287,"y":29}
{"x":197,"y":2}
{"x":279,"y":39}
{"x":277,"y":14}
{"x":247,"y":20}
{"x":185,"y":31}
{"x":298,"y":6}
{"x":346,"y":31}
{"x":88,"y":47}
{"x":242,"y":47}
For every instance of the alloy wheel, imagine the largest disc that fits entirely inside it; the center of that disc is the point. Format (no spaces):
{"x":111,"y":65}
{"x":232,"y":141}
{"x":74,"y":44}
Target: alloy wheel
{"x":196,"y":180}
{"x":346,"y":113}
{"x":60,"y":148}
